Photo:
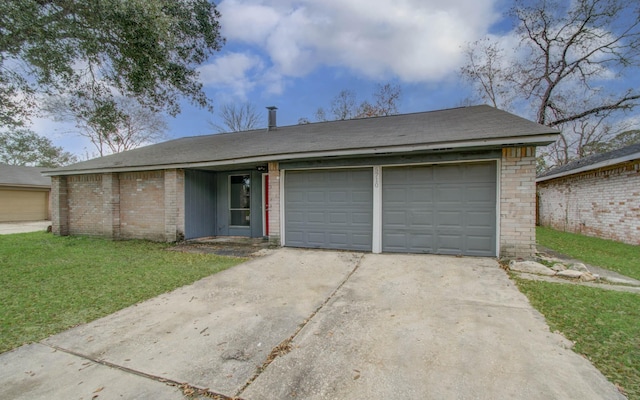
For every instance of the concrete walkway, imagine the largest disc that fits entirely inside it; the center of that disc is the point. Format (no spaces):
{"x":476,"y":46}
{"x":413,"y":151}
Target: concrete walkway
{"x":302,"y":324}
{"x":7,"y":228}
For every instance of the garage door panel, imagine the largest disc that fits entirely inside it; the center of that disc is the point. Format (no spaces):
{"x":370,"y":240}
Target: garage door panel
{"x":450,"y":194}
{"x":339,"y":218}
{"x":421,"y":219}
{"x":447,"y":209}
{"x":359,"y":218}
{"x":361,"y":196}
{"x":316,"y":197}
{"x":449,"y":218}
{"x":450,"y":243}
{"x":447,"y":173}
{"x":338,"y":214}
{"x":481,"y":173}
{"x":477,"y":244}
{"x":483,"y":219}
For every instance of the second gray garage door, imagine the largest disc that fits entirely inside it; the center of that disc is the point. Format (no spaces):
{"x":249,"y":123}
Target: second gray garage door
{"x":440,"y":209}
{"x":330,"y":209}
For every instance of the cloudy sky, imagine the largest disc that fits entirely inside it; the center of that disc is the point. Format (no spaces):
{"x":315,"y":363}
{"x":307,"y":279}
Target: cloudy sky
{"x":298,"y":54}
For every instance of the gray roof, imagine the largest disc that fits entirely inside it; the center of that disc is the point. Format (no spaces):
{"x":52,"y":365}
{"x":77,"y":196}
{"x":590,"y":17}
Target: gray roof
{"x":592,"y":162}
{"x":15,"y":175}
{"x":467,"y":127}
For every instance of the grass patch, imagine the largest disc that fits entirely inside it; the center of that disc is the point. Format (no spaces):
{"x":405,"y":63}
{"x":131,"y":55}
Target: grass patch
{"x":615,"y":256}
{"x":51,"y":283}
{"x":603,"y":324}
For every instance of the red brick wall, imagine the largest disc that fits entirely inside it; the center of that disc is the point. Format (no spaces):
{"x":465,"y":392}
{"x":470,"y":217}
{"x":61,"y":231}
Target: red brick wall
{"x":84,"y":197}
{"x":603,"y":203}
{"x":142,"y":205}
{"x":518,"y":202}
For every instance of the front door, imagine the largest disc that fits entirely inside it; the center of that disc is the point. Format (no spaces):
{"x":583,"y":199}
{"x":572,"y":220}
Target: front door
{"x":265,"y":204}
{"x":240,"y":205}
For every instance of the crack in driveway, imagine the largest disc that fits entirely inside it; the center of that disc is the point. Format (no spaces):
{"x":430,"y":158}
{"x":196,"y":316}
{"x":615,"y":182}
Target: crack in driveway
{"x":187,"y":389}
{"x":285,"y":346}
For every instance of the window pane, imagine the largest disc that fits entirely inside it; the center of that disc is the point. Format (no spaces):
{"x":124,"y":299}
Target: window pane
{"x":240,"y":190}
{"x":240,"y":217}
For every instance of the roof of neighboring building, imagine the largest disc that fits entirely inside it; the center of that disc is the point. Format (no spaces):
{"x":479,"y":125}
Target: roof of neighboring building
{"x":15,"y":175}
{"x":467,"y":127}
{"x":592,"y":162}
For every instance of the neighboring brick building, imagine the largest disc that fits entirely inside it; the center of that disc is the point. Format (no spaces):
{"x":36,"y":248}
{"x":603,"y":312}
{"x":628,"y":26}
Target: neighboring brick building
{"x":458,"y":181}
{"x":594,"y":196}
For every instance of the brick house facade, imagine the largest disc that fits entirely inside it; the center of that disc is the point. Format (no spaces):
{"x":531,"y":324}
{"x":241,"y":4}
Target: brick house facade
{"x":167,"y":201}
{"x":600,"y":196}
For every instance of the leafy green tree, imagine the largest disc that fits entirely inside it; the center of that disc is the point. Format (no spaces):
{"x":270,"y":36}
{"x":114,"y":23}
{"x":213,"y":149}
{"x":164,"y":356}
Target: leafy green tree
{"x":100,"y":49}
{"x":24,"y":147}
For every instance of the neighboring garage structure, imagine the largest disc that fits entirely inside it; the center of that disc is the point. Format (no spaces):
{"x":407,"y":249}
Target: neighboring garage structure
{"x":457,"y":181}
{"x":24,"y":194}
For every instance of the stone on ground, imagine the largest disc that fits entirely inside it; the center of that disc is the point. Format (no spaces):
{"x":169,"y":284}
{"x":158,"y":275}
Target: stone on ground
{"x":530,"y":267}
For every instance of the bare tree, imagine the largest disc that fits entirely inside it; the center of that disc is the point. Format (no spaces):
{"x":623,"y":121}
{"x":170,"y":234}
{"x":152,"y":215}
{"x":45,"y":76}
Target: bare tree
{"x":112,"y":126}
{"x":567,"y":52}
{"x":484,"y":69}
{"x":345,"y":106}
{"x":237,"y":118}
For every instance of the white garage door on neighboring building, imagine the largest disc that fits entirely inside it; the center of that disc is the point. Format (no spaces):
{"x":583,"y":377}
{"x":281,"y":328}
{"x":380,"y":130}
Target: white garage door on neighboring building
{"x":329,"y":209}
{"x":440,"y":209}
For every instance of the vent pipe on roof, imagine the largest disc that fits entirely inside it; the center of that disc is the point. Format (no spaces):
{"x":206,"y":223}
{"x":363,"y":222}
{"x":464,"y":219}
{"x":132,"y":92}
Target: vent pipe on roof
{"x":272,"y":118}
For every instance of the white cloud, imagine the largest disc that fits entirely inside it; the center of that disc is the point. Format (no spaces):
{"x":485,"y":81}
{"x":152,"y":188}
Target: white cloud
{"x":413,"y":40}
{"x":234,"y":71}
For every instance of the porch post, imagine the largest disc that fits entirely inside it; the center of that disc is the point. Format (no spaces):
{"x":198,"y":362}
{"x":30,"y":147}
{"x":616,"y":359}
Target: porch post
{"x":59,"y":206}
{"x":274,"y":203}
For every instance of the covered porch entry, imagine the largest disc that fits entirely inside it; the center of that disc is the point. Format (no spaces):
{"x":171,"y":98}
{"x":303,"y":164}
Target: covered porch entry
{"x":226,"y":203}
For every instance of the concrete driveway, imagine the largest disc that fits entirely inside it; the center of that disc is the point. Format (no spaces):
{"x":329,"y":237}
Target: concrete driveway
{"x":8,"y":228}
{"x":302,"y":324}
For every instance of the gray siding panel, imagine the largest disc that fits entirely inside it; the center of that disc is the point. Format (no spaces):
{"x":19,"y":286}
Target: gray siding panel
{"x":440,"y":209}
{"x":200,"y":204}
{"x":330,"y":209}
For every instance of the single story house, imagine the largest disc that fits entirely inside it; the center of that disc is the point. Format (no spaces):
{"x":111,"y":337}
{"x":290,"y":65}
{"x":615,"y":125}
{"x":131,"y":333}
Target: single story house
{"x":597,"y":196}
{"x":458,"y":181}
{"x":24,"y":194}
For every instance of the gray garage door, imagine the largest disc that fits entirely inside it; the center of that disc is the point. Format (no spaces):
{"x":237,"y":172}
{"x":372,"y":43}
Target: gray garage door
{"x":329,"y":209}
{"x":440,"y":209}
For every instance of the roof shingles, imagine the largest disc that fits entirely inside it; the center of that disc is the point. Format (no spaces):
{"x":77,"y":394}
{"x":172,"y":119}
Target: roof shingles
{"x":445,"y":127}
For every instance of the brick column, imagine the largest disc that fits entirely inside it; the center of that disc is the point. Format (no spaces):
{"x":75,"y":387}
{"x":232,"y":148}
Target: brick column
{"x":274,"y":203}
{"x":59,"y":206}
{"x":111,"y":205}
{"x":174,"y":205}
{"x":518,"y":202}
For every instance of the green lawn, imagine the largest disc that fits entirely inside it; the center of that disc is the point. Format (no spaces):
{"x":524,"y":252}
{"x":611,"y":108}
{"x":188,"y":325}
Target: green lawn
{"x":51,"y":283}
{"x":615,"y":256}
{"x":604,"y":324}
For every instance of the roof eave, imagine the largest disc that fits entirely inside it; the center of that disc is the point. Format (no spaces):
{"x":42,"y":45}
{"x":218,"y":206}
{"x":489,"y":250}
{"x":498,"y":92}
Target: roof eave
{"x":602,"y":164}
{"x":538,"y":140}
